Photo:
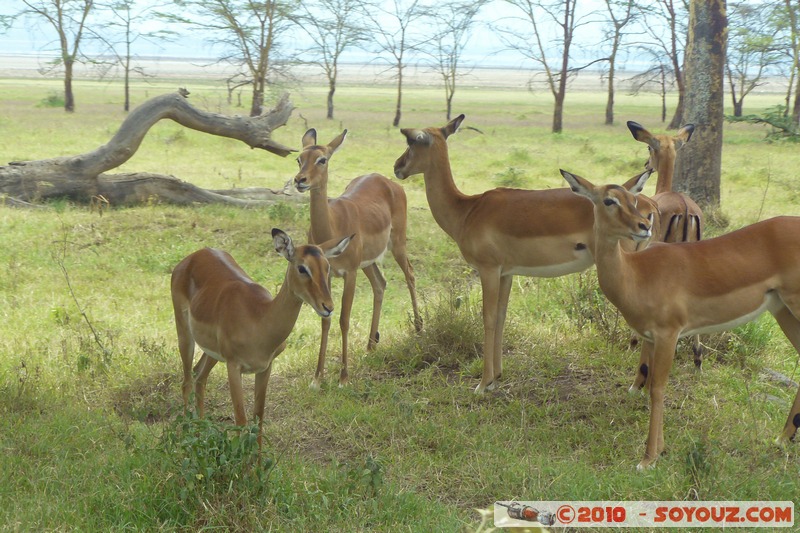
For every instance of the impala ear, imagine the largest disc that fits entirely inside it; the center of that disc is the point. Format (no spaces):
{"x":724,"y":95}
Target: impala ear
{"x":283,"y":243}
{"x":452,"y":126}
{"x":684,"y":134}
{"x":335,"y":144}
{"x":636,"y":184}
{"x":309,"y":138}
{"x":417,"y":137}
{"x":642,"y":135}
{"x":579,"y":185}
{"x":336,"y":250}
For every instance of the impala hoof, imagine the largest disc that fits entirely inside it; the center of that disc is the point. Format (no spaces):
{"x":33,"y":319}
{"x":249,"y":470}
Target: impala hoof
{"x":633,"y":389}
{"x":481,"y":388}
{"x":645,"y":465}
{"x":314,"y":385}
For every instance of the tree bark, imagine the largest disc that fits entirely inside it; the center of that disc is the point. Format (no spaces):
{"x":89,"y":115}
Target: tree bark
{"x":398,"y":108}
{"x":698,"y":169}
{"x":80,"y":178}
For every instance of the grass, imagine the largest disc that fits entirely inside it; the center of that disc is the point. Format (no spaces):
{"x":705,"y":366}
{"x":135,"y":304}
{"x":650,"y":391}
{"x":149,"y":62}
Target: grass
{"x":91,"y":424}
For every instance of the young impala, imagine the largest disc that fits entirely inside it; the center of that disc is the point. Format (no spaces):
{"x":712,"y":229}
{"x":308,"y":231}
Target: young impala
{"x":236,"y":321}
{"x":374,"y":209}
{"x":501,"y":232}
{"x":681,"y":219}
{"x":669,"y":291}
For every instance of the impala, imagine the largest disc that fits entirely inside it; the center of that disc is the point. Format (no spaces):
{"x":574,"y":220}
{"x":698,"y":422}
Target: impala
{"x":681,"y":219}
{"x":374,"y":209}
{"x":669,"y":291}
{"x":501,"y":232}
{"x":235,"y":320}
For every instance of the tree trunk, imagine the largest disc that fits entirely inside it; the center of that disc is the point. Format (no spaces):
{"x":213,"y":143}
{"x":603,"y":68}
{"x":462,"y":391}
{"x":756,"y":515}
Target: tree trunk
{"x":610,"y":99}
{"x":796,"y":106}
{"x":680,"y":109}
{"x":558,"y":113}
{"x":449,"y":105}
{"x":697,"y":170}
{"x":397,"y":113}
{"x":80,"y":177}
{"x":331,"y":91}
{"x":69,"y":96}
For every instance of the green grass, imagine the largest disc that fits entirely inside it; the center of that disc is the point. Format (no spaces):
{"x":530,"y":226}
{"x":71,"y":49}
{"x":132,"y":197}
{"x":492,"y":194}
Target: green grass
{"x":91,"y":428}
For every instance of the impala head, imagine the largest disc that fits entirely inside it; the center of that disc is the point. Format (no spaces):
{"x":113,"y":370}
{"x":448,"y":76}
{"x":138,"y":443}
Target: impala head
{"x":309,"y":270}
{"x":660,"y":146}
{"x":313,"y":160}
{"x":421,"y":145}
{"x":615,"y":207}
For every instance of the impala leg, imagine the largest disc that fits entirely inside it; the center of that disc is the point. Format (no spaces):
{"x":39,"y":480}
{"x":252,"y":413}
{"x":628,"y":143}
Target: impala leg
{"x":262,"y":380}
{"x":237,"y":395}
{"x":399,"y":253}
{"x":504,"y":291}
{"x":186,"y":348}
{"x":697,"y":350}
{"x":378,"y":283}
{"x":645,"y":364}
{"x":490,"y":287}
{"x":791,"y":328}
{"x":203,"y":368}
{"x":323,"y":348}
{"x":663,"y":354}
{"x":344,"y":319}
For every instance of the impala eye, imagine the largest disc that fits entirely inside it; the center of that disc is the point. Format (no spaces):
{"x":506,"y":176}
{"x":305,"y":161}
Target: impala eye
{"x":609,"y":201}
{"x":322,"y":160}
{"x":303,"y":270}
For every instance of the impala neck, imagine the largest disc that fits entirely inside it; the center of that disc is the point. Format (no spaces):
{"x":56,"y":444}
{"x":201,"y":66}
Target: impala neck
{"x":321,"y":218}
{"x":283,"y":310}
{"x":666,"y":168}
{"x":611,"y":260}
{"x":447,"y":203}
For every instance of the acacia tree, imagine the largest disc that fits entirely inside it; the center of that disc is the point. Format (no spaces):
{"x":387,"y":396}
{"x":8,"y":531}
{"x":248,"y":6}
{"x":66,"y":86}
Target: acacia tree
{"x":392,"y":31}
{"x":333,"y":26}
{"x":247,"y":31}
{"x":752,"y":48}
{"x":538,"y":45}
{"x":453,"y":24}
{"x":121,"y":32}
{"x":697,"y":171}
{"x":665,"y":25}
{"x":68,"y":18}
{"x":657,"y":78}
{"x":790,"y":12}
{"x":620,"y":15}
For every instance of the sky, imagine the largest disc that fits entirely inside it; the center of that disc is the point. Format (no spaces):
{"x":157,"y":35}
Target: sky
{"x":485,"y":48}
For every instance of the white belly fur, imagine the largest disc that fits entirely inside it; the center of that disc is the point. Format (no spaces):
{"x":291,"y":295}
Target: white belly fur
{"x":772,"y":302}
{"x":552,"y":271}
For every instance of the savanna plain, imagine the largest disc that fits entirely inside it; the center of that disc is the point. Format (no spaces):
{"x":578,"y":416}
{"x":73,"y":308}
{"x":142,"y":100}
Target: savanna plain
{"x":93,"y":436}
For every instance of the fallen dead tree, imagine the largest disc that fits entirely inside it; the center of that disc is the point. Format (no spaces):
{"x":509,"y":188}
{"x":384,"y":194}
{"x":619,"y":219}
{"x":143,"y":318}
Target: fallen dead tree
{"x":82,"y":178}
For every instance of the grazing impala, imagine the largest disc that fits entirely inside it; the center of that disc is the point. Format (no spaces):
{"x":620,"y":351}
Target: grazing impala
{"x":235,"y":320}
{"x":374,"y":209}
{"x":501,"y":232}
{"x":681,"y":219}
{"x":669,"y":291}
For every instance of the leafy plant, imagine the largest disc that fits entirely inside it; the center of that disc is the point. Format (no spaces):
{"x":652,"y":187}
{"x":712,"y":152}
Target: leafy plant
{"x":54,"y":99}
{"x":511,"y":177}
{"x":211,"y":458}
{"x":782,"y":125}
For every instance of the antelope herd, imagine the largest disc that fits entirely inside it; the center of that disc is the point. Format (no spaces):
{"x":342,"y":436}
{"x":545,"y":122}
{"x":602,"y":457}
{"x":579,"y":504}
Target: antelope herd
{"x":651,"y":264}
